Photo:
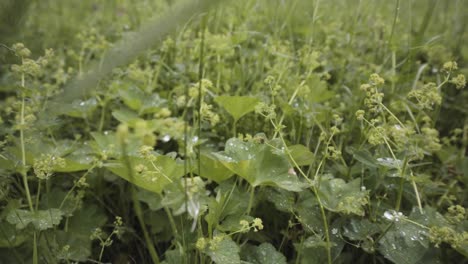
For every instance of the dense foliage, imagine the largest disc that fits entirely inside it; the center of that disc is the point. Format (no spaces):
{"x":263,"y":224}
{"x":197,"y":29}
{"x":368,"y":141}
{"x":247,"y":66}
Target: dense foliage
{"x":260,"y":131}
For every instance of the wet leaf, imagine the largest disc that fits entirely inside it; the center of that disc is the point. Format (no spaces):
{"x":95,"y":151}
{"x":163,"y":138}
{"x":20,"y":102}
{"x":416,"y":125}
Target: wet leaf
{"x":237,"y":106}
{"x":225,"y":252}
{"x":301,"y":155}
{"x":211,"y":168}
{"x":363,"y":156}
{"x":139,"y":101}
{"x":360,"y":229}
{"x":265,"y":253}
{"x":125,"y":116}
{"x":257,"y":164}
{"x":85,"y":220}
{"x":81,"y":108}
{"x":150,"y":175}
{"x":404,"y":243}
{"x":10,"y":236}
{"x":282,"y":199}
{"x":342,"y":197}
{"x":390,"y":162}
{"x":152,"y":200}
{"x":41,"y":219}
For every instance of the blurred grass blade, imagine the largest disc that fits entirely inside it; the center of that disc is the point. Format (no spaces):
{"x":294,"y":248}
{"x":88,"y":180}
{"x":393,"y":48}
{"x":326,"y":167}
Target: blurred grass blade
{"x":133,"y":44}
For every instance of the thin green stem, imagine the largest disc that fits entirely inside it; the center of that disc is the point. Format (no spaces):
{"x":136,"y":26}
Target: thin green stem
{"x":395,"y":18}
{"x":252,"y":195}
{"x":402,"y":182}
{"x":137,"y":207}
{"x":23,"y":157}
{"x":315,"y":191}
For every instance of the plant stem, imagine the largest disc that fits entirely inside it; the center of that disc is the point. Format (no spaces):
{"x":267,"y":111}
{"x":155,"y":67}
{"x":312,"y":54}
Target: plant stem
{"x":252,"y":194}
{"x":137,"y":206}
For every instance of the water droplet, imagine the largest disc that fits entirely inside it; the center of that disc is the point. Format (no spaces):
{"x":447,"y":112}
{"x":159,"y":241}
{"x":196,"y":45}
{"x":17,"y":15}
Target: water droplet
{"x":166,"y":138}
{"x":334,"y":231}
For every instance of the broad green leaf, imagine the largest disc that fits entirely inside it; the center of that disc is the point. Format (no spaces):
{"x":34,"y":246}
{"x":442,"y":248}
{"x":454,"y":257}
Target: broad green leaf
{"x":77,"y":156}
{"x":41,"y":219}
{"x":404,"y":243}
{"x":211,"y":168}
{"x":150,"y":175}
{"x":175,"y":256}
{"x":107,"y":144}
{"x":301,"y":155}
{"x":82,"y":109}
{"x":257,"y":164}
{"x":125,"y":116}
{"x":132,"y":97}
{"x":237,"y":106}
{"x":10,"y":236}
{"x":86,"y":220}
{"x":79,"y":245}
{"x":265,"y":253}
{"x":228,"y":208}
{"x":363,"y":156}
{"x":80,"y":158}
{"x":194,"y":201}
{"x":390,"y":162}
{"x":360,"y":229}
{"x":139,"y":101}
{"x":282,"y":199}
{"x":342,"y":197}
{"x":313,"y":250}
{"x":319,"y":92}
{"x":225,"y":251}
{"x":308,"y":211}
{"x":151,"y":199}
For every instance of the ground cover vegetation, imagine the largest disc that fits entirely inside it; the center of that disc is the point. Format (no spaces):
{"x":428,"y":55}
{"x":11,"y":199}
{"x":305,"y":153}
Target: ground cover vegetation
{"x":255,"y":131}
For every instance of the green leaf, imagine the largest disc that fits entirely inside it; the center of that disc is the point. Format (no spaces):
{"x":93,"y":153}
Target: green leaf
{"x":106,"y":143}
{"x":259,"y":164}
{"x":265,"y":253}
{"x":86,"y":220}
{"x":363,"y":156}
{"x":79,"y":245}
{"x":229,"y":206}
{"x":132,"y":97}
{"x":237,"y":106}
{"x":41,"y":219}
{"x":10,"y":236}
{"x":81,"y":109}
{"x":404,"y":243}
{"x":360,"y":229}
{"x":152,"y":200}
{"x":125,"y":116}
{"x":156,"y":175}
{"x":139,"y":101}
{"x":282,"y":199}
{"x":301,"y":155}
{"x":342,"y":197}
{"x":174,"y":256}
{"x":211,"y":168}
{"x":225,"y":251}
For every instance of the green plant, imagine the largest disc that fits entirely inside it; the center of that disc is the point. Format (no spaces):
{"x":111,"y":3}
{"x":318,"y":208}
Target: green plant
{"x":256,"y":132}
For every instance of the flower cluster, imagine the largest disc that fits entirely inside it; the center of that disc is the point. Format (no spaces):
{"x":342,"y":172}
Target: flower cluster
{"x":374,"y":97}
{"x":45,"y":165}
{"x":446,"y":234}
{"x":427,"y":96}
{"x":256,"y":224}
